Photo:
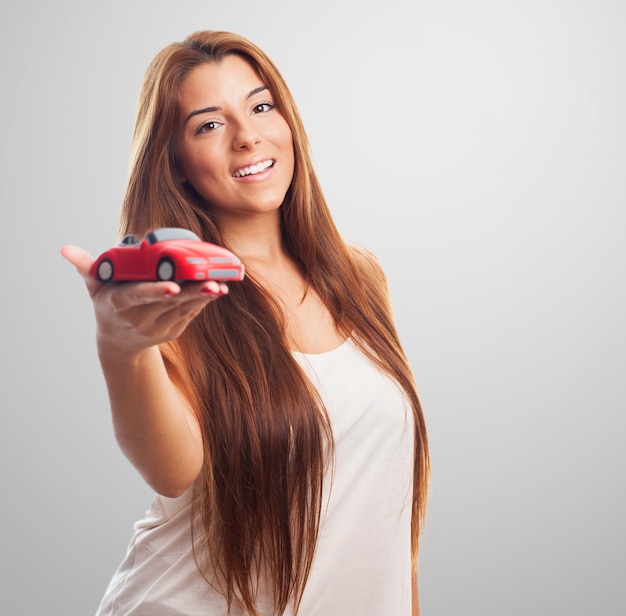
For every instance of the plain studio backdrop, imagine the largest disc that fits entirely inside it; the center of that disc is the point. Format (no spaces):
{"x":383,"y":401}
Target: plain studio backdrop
{"x":478,"y":148}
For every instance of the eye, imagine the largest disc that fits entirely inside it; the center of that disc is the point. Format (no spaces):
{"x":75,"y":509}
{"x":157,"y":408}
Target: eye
{"x":207,"y":127}
{"x":263,"y":107}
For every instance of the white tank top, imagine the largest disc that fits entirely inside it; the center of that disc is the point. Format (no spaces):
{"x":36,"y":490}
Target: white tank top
{"x":362,"y":563}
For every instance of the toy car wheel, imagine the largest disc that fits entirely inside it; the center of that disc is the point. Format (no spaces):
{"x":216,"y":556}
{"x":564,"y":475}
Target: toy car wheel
{"x":165,"y":269}
{"x":105,"y":271}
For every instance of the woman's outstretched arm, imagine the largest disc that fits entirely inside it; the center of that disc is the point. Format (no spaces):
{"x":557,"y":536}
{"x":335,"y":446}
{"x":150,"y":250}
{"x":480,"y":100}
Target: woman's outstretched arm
{"x":154,"y":424}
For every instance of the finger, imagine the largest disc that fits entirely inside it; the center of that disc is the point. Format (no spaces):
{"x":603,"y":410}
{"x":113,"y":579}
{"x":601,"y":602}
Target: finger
{"x":79,"y":258}
{"x":164,"y":319}
{"x":137,"y":294}
{"x":214,"y":288}
{"x":149,"y":300}
{"x":82,"y":261}
{"x":184,"y":307}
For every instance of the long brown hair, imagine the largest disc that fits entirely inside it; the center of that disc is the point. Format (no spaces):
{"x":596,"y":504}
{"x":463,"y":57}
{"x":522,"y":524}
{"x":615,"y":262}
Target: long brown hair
{"x":267,"y":439}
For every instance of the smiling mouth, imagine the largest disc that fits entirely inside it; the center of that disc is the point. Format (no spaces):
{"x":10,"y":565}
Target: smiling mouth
{"x":253,"y":169}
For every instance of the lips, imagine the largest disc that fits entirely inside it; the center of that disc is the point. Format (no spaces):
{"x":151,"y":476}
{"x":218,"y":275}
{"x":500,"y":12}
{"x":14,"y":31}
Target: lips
{"x":253,"y":169}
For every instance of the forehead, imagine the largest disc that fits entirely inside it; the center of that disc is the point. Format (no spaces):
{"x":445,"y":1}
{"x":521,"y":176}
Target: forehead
{"x":217,"y":83}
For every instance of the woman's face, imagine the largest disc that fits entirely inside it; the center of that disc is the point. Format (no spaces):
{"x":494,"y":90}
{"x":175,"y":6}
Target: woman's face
{"x":232,"y":144}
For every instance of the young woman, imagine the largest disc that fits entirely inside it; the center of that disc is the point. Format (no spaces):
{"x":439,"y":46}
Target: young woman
{"x":276,"y":418}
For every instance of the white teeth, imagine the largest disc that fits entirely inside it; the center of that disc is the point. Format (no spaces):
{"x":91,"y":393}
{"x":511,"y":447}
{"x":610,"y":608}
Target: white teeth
{"x":253,"y":169}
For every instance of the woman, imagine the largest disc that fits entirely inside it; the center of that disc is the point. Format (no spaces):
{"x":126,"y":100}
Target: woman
{"x":276,"y":419}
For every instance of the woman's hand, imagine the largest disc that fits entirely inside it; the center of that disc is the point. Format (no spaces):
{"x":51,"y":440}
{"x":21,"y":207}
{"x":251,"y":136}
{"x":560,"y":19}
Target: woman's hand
{"x":133,"y":316}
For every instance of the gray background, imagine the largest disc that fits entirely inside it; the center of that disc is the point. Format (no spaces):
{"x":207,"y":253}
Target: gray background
{"x":478,"y":148}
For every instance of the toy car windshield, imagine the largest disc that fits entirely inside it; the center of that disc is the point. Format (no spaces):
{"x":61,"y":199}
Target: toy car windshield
{"x":170,"y":233}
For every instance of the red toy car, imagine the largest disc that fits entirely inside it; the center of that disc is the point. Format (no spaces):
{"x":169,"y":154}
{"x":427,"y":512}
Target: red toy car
{"x":167,"y":254}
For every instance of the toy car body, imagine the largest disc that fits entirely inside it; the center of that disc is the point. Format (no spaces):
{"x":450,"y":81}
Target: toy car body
{"x":168,"y":253}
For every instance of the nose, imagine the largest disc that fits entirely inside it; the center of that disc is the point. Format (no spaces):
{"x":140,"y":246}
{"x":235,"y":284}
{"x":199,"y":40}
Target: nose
{"x":246,"y":135}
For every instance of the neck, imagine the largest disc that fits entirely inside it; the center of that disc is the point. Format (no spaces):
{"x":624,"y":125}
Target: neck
{"x":255,"y":237}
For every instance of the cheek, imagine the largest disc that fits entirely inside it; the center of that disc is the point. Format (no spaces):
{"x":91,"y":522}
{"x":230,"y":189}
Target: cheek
{"x":287,"y":136}
{"x":200,"y":166}
{"x":287,"y":144}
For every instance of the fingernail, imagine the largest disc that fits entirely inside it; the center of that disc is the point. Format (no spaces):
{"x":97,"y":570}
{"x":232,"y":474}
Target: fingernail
{"x":206,"y":291}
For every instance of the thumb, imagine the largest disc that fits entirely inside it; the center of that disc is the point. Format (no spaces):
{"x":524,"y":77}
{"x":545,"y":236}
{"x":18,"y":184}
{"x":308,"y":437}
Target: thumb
{"x":82,"y":261}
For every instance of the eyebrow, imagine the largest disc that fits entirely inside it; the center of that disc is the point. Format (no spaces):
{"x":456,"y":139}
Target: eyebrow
{"x":215,"y":108}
